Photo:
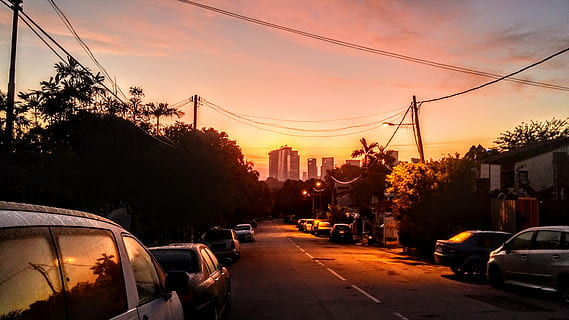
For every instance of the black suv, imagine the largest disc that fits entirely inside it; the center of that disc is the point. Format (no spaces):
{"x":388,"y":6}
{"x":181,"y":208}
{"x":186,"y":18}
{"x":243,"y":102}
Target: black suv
{"x":468,"y":251}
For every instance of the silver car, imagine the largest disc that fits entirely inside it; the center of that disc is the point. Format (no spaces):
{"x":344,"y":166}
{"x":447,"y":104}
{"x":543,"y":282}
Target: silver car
{"x":66,"y":264}
{"x":536,"y":257}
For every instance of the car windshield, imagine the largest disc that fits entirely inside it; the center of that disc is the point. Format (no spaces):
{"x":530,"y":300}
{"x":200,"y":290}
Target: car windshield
{"x":176,"y":260}
{"x":242,"y":228}
{"x":213,"y":235}
{"x":343,"y":228}
{"x":461,"y":237}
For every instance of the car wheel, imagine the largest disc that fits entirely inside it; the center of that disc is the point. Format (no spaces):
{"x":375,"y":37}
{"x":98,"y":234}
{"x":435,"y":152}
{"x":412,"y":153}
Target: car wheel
{"x":227,"y":306}
{"x":458,"y":271}
{"x":495,"y":277}
{"x":563,"y":288}
{"x":476,"y":269}
{"x":214,"y":313}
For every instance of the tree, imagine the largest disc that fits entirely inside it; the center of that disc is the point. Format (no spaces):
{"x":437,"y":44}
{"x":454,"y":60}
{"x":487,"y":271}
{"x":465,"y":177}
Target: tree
{"x":479,"y":153}
{"x":526,"y":133}
{"x":434,"y":200}
{"x":161,"y":110}
{"x":367,"y":152}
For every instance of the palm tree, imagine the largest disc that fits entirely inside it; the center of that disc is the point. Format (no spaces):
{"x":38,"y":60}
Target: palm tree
{"x":161,"y":110}
{"x":368,"y":152}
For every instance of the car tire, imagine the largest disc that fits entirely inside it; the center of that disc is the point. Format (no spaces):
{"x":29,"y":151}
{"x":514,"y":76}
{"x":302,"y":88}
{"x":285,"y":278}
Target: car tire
{"x":495,"y":277}
{"x":227,"y":305}
{"x":458,"y":271}
{"x":563,"y":289}
{"x":476,"y":269}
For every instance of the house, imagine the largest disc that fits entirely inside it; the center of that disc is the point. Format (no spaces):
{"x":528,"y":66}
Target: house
{"x":530,"y":185}
{"x":539,"y":170}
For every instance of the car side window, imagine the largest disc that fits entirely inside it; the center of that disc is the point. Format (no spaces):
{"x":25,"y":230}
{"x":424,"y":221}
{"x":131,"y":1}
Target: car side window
{"x":214,"y":260}
{"x":547,"y":239}
{"x":92,"y":273}
{"x":209,"y":266}
{"x":522,"y":241}
{"x":565,"y":241}
{"x":148,"y":280}
{"x":30,"y":279}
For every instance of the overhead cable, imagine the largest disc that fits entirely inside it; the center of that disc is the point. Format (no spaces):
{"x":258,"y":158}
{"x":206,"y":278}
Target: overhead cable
{"x":371,"y":50}
{"x":499,"y":79}
{"x":85,"y":47}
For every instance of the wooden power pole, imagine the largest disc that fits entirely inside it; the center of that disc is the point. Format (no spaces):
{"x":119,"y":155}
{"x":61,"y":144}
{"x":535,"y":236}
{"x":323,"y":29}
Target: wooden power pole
{"x":417,"y":128}
{"x":8,"y":134}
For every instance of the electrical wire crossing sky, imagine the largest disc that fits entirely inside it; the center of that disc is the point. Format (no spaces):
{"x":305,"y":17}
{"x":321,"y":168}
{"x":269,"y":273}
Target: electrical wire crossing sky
{"x":319,"y":75}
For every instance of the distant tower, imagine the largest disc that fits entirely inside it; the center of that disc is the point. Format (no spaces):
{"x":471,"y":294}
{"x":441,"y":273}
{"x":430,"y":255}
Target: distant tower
{"x":355,"y":163}
{"x":284,"y":164}
{"x":312,"y":169}
{"x":327,"y":164}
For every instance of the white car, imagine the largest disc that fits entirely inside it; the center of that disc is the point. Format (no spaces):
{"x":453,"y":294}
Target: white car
{"x":66,"y":264}
{"x":245,"y":232}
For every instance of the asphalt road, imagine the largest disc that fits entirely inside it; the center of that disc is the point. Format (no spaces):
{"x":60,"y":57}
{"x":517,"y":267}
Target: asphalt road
{"x":286,"y":274}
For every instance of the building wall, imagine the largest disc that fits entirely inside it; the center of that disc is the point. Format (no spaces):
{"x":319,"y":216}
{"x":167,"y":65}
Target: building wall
{"x":312,"y":168}
{"x":327,"y":164}
{"x":355,"y":163}
{"x":284,"y":164}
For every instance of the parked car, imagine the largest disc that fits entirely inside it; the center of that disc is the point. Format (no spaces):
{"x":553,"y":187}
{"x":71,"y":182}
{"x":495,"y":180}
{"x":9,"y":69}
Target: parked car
{"x":323,"y":228}
{"x":315,"y":224}
{"x":536,"y":257}
{"x":341,"y":232}
{"x":208,"y":292}
{"x":308,"y":225}
{"x":223,"y":242}
{"x":66,"y":264}
{"x":245,"y":232}
{"x":467,"y":252}
{"x":300,"y":224}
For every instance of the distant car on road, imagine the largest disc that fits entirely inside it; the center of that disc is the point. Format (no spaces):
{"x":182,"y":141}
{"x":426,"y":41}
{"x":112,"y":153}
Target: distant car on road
{"x":223,"y":242}
{"x":208,"y":292}
{"x":536,"y":258}
{"x":467,"y":252}
{"x":323,"y":228}
{"x":341,"y":232}
{"x":245,"y":232}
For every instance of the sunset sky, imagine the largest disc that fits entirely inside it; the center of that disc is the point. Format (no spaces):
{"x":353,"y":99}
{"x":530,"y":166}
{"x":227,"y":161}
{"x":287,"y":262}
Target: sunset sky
{"x":267,"y":87}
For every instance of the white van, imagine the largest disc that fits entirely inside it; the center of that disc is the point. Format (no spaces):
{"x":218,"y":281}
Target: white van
{"x":65,"y":264}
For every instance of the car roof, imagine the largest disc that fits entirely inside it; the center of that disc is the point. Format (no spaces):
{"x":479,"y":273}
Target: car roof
{"x":557,"y":228}
{"x":178,"y":246}
{"x":22,"y":212}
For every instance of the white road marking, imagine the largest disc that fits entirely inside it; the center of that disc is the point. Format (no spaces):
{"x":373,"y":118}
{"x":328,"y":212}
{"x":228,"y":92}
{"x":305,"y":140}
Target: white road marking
{"x":372,"y":298}
{"x":400,"y":316}
{"x":336,"y":274}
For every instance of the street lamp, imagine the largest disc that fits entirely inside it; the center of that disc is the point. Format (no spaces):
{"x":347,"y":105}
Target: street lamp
{"x":318,"y":187}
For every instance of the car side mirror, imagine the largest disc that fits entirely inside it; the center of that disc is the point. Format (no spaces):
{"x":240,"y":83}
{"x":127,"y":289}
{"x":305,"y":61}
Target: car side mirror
{"x":176,"y":281}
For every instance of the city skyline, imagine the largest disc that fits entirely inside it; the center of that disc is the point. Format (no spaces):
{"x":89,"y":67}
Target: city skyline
{"x":267,"y":87}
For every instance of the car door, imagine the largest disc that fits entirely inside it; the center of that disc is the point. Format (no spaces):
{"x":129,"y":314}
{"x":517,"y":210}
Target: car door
{"x":221,"y":277}
{"x":153,"y":302}
{"x":515,"y":259}
{"x":544,"y":258}
{"x":210,"y":286}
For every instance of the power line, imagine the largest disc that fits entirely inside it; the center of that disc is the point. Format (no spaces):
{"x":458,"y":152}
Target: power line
{"x":85,"y":47}
{"x":499,"y":79}
{"x":22,"y":14}
{"x":371,"y":50}
{"x":234,"y":115}
{"x":250,"y":123}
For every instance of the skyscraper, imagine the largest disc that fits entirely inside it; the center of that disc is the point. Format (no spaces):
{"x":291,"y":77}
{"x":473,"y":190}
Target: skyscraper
{"x":284,"y":164}
{"x":312,"y":168}
{"x":327,"y":164}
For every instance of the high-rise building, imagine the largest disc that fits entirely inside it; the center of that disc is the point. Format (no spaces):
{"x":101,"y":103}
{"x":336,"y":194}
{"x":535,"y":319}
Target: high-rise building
{"x":327,"y":164}
{"x":312,"y":169}
{"x":355,"y":163}
{"x":284,"y":164}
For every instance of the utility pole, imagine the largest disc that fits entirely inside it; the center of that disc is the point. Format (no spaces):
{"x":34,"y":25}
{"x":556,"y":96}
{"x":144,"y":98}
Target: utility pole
{"x":8,"y":134}
{"x":196,"y":98}
{"x":419,"y":139}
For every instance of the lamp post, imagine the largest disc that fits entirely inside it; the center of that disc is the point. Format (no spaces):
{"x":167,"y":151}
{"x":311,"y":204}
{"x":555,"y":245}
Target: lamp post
{"x":318,"y":187}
